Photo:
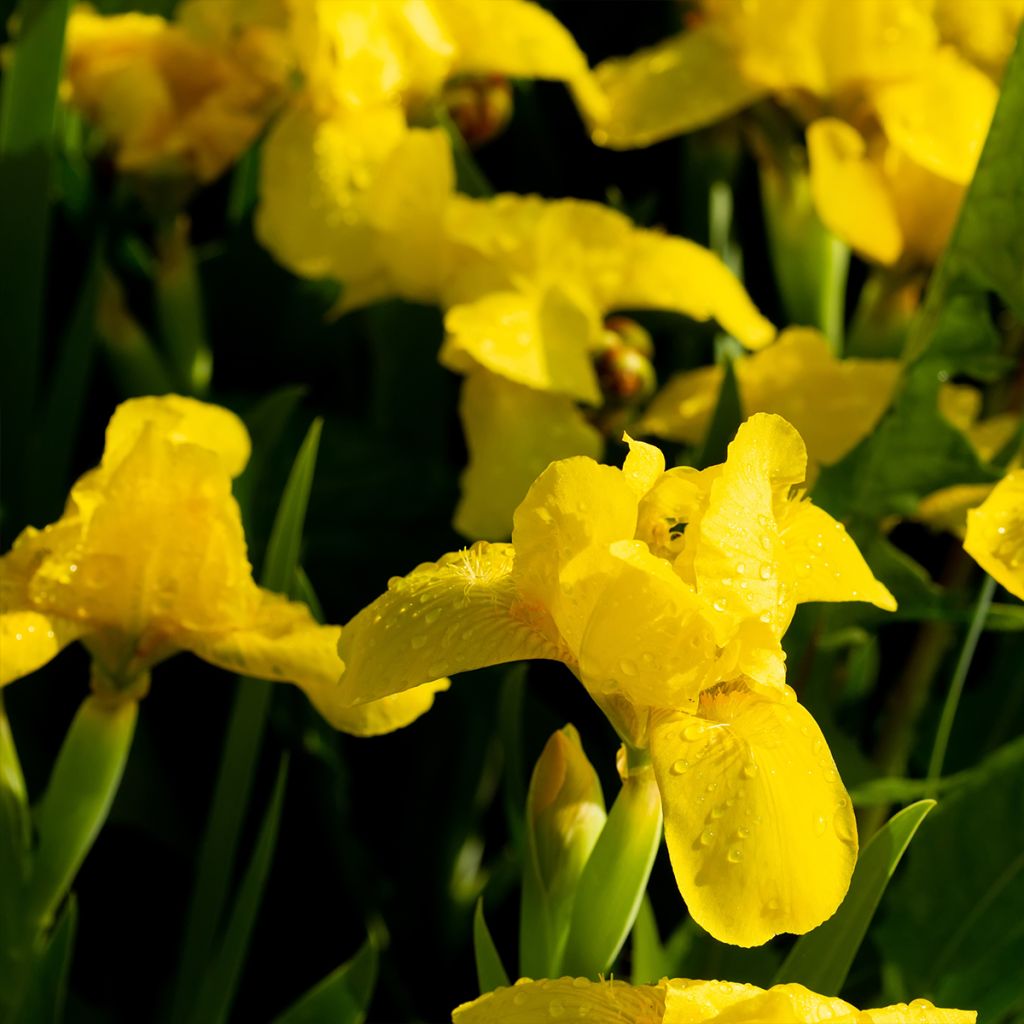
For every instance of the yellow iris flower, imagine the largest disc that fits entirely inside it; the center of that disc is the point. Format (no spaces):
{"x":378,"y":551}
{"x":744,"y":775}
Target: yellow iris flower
{"x":149,"y":558}
{"x":352,"y":186}
{"x":667,"y":594}
{"x":169,"y":100}
{"x":897,"y":94}
{"x":681,"y":1001}
{"x":995,"y":533}
{"x":528,"y":285}
{"x":833,"y":403}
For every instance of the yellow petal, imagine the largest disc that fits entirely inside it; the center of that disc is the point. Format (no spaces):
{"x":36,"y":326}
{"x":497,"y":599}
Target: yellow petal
{"x":450,"y":616}
{"x":759,"y":828}
{"x":850,"y":191}
{"x":920,"y":1011}
{"x":940,"y":117}
{"x":538,"y":339}
{"x":682,"y":410}
{"x":574,"y":509}
{"x":675,"y":86}
{"x":280,"y":640}
{"x":693,"y":1002}
{"x":513,"y":433}
{"x":28,"y":638}
{"x":646,"y":634}
{"x":737,"y":545}
{"x":665,"y":272}
{"x":995,"y":533}
{"x":377,"y":717}
{"x":788,"y":1004}
{"x":833,"y":403}
{"x":160,"y":551}
{"x":821,"y":562}
{"x":514,"y":38}
{"x":643,"y":467}
{"x":604,"y":1002}
{"x":315,"y":179}
{"x":180,"y":420}
{"x":984,"y":32}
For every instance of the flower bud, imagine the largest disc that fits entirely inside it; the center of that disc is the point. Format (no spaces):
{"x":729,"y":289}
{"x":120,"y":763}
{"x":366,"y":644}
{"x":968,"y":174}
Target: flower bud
{"x":480,"y":106}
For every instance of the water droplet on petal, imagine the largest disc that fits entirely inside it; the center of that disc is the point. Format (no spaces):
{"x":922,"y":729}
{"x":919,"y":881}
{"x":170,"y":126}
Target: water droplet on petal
{"x":627,"y":667}
{"x":693,"y":732}
{"x":735,"y":855}
{"x":766,"y":572}
{"x":707,"y":837}
{"x":417,"y":642}
{"x":749,"y":770}
{"x":680,"y":766}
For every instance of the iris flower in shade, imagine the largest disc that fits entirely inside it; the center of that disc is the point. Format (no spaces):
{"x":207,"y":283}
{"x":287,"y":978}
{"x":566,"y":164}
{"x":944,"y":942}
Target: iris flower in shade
{"x":667,"y":594}
{"x":995,"y":533}
{"x":149,"y":558}
{"x":530,"y":284}
{"x":897,"y":96}
{"x":681,"y":1001}
{"x":170,"y":100}
{"x":833,"y":403}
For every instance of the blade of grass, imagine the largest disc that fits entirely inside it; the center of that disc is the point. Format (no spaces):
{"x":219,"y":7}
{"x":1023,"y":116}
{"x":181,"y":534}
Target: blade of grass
{"x":725,"y":422}
{"x":821,"y":959}
{"x":490,"y":971}
{"x":47,"y":991}
{"x":956,"y":686}
{"x":343,"y":997}
{"x":241,"y":747}
{"x":27,"y":106}
{"x":221,"y":979}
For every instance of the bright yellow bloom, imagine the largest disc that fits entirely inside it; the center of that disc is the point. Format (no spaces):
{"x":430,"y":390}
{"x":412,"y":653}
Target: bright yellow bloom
{"x":529,"y":283}
{"x":149,"y":558}
{"x":898,"y":95}
{"x":995,"y":533}
{"x":681,"y":1001}
{"x":168,"y":101}
{"x":833,"y":403}
{"x":667,"y":594}
{"x":350,"y":188}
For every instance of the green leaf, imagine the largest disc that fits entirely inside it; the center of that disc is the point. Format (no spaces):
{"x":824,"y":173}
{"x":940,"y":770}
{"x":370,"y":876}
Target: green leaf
{"x":725,"y":422}
{"x":343,"y":997}
{"x":614,"y":881}
{"x":31,"y":73}
{"x":822,"y":958}
{"x":47,"y":991}
{"x":74,"y":807}
{"x":222,"y":975}
{"x":469,"y":179}
{"x":952,"y":930}
{"x":650,"y":962}
{"x":241,"y":746}
{"x":490,"y":972}
{"x":882,"y":792}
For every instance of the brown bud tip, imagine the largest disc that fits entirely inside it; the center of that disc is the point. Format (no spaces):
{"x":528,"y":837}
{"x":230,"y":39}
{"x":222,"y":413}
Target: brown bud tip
{"x":480,"y":106}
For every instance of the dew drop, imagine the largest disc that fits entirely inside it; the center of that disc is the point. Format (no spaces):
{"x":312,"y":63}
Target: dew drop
{"x":680,"y":766}
{"x":842,"y":822}
{"x":717,"y":812}
{"x":766,"y":572}
{"x":707,"y":837}
{"x":741,"y":569}
{"x":819,"y":825}
{"x":719,"y":605}
{"x":766,"y":617}
{"x":17,"y":636}
{"x":627,"y":667}
{"x":743,"y":832}
{"x":735,"y":855}
{"x":556,"y":1008}
{"x":417,"y":642}
{"x":692,"y":732}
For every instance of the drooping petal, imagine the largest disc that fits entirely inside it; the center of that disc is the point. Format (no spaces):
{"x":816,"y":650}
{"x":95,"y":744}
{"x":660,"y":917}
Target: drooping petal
{"x":850,"y":191}
{"x":513,"y":433}
{"x":995,"y":533}
{"x":920,"y":1011}
{"x":682,"y":410}
{"x":759,"y":828}
{"x":693,"y":1002}
{"x":675,"y":274}
{"x":604,"y":1002}
{"x":459,"y":613}
{"x":181,"y":420}
{"x":28,"y":638}
{"x":680,"y":84}
{"x":947,"y":508}
{"x":788,"y":1004}
{"x":822,"y":562}
{"x":281,"y":641}
{"x":378,"y":717}
{"x":539,"y":339}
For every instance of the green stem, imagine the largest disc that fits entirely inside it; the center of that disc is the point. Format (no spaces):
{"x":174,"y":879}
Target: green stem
{"x":956,"y":687}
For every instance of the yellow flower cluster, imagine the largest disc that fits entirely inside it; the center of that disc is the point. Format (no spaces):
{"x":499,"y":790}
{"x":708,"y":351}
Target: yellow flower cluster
{"x":149,"y":559}
{"x":667,"y":593}
{"x":681,"y":1001}
{"x":897,"y":96}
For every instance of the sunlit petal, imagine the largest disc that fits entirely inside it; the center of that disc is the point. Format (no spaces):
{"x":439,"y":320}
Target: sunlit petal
{"x":995,"y":533}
